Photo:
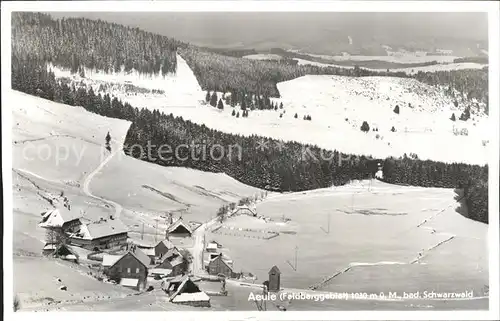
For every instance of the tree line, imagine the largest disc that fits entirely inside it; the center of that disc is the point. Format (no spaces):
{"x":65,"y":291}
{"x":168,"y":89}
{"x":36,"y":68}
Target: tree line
{"x":263,"y":162}
{"x":75,"y":43}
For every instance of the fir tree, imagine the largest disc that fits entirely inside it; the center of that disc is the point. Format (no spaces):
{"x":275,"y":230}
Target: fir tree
{"x":396,"y":109}
{"x":220,"y":105}
{"x":453,"y":117}
{"x":108,"y":140}
{"x":213,"y":100}
{"x":296,"y":116}
{"x":233,"y":113}
{"x":207,"y":97}
{"x":238,"y":115}
{"x":365,"y":127}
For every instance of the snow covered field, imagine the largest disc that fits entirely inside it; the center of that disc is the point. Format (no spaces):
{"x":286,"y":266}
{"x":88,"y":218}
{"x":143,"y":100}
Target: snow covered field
{"x":338,"y":106}
{"x":380,"y":231}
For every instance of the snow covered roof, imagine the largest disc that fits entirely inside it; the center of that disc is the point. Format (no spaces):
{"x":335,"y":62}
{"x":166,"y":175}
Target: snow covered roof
{"x":191,"y":297}
{"x":275,"y":269}
{"x":50,"y":246}
{"x":141,"y":243}
{"x":110,"y":260}
{"x":167,"y":243}
{"x":176,"y":261}
{"x":177,"y":224}
{"x":160,"y":271}
{"x":129,"y":282}
{"x":172,"y":252}
{"x":212,"y":246}
{"x":100,"y":229}
{"x":141,"y":256}
{"x":58,"y":217}
{"x":148,"y":251}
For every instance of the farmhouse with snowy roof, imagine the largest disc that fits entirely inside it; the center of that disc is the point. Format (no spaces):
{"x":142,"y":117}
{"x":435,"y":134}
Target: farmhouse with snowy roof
{"x":179,"y":229}
{"x":61,"y":219}
{"x":100,"y":234}
{"x":130,"y":270}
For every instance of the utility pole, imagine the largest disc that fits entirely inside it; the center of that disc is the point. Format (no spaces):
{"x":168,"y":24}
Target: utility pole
{"x":296,"y":251}
{"x":142,"y":233}
{"x":156,"y":229}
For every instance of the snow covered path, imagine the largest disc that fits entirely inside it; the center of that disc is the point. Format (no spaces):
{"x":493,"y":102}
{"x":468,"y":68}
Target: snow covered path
{"x":116,"y":148}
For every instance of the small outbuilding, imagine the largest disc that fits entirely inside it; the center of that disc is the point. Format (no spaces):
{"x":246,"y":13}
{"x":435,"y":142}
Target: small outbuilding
{"x":274,"y":279}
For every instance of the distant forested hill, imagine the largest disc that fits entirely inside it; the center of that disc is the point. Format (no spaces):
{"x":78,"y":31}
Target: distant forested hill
{"x":77,"y":42}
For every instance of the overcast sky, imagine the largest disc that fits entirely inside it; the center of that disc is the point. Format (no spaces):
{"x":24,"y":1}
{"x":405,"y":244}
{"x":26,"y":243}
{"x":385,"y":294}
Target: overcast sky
{"x":226,"y":28}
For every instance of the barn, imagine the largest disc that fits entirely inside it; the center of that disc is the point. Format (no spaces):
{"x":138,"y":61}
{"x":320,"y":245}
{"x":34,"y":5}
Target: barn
{"x":182,"y":290}
{"x":218,"y":266}
{"x":179,"y":229}
{"x":103,"y":234}
{"x":130,"y":270}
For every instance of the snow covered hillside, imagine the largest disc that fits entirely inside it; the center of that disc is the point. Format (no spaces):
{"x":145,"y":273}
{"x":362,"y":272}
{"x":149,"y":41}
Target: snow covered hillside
{"x":338,"y":106}
{"x":140,"y":90}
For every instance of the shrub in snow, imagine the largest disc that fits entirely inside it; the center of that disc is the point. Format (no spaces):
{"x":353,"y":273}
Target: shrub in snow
{"x":238,"y":115}
{"x":393,"y":129}
{"x":296,"y":115}
{"x":17,"y":303}
{"x":233,"y":113}
{"x":365,"y":127}
{"x":281,"y":115}
{"x":453,"y":117}
{"x":465,"y":115}
{"x":207,"y":97}
{"x":396,"y":109}
{"x":377,"y":136}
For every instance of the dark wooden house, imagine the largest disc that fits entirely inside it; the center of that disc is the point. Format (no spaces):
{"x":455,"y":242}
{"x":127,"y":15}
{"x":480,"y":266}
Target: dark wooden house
{"x":274,"y":279}
{"x":163,"y":247}
{"x":131,"y":269}
{"x":176,"y":263}
{"x":218,"y":266}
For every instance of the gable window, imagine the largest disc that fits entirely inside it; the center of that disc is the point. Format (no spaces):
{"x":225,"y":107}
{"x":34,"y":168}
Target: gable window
{"x":128,"y":270}
{"x":137,"y":270}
